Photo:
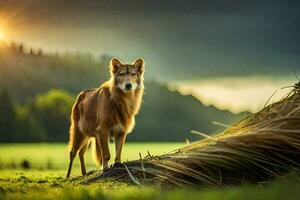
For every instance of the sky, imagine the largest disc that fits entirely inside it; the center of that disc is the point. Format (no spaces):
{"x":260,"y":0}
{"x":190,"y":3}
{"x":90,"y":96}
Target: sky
{"x":179,"y":40}
{"x":237,"y":94}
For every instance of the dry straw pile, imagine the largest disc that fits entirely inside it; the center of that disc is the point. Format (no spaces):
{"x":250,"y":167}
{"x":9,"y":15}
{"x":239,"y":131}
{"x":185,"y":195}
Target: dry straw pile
{"x":255,"y":149}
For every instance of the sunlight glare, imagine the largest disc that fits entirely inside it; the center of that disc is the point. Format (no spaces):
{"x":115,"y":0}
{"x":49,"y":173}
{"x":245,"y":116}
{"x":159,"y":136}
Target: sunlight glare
{"x":2,"y":36}
{"x":236,"y":94}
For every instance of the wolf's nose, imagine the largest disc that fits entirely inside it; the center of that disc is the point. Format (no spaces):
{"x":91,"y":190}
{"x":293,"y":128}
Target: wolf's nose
{"x":128,"y":86}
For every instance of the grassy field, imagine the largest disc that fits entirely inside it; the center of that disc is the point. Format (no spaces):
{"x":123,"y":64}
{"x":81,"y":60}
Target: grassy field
{"x":55,"y":156}
{"x":46,"y":181}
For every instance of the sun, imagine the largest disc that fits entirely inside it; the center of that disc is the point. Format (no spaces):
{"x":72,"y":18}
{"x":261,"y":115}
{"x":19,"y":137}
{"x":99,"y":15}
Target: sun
{"x":2,"y":35}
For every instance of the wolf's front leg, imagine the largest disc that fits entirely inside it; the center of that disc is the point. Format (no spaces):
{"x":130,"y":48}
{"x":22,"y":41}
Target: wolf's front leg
{"x":104,"y":148}
{"x":119,"y":141}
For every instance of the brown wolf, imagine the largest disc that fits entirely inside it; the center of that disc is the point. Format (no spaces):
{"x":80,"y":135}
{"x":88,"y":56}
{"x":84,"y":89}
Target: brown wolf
{"x":106,"y":111}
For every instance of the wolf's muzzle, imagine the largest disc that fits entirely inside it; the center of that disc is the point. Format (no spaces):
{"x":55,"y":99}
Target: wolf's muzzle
{"x":128,"y":86}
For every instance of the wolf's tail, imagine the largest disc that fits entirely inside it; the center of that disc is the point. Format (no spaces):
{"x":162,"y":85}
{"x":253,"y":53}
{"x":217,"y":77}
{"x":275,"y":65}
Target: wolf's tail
{"x":96,"y":151}
{"x":75,"y":116}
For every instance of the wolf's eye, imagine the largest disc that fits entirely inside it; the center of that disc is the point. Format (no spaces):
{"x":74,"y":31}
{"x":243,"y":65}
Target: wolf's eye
{"x":122,"y":74}
{"x":133,"y":74}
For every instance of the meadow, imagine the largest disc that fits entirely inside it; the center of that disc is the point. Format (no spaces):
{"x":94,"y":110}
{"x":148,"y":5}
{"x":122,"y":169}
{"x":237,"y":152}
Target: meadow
{"x":45,"y":178}
{"x":55,"y":156}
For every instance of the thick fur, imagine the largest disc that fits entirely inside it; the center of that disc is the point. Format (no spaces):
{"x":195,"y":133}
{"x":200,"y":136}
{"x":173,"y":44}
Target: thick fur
{"x":106,"y":111}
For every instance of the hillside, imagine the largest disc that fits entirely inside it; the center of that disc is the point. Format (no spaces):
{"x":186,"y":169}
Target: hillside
{"x":169,"y":116}
{"x":26,"y":73}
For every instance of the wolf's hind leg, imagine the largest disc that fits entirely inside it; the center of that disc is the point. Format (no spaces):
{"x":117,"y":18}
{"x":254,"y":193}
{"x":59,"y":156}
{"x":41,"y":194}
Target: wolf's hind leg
{"x":79,"y":140}
{"x":81,"y":157}
{"x":72,"y":156}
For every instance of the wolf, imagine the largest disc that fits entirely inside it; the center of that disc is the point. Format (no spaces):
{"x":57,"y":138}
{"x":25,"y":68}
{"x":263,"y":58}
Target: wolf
{"x":107,"y":111}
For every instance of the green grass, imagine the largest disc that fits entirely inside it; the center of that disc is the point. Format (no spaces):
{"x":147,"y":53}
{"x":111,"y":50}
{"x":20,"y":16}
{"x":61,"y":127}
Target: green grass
{"x":43,"y":155}
{"x":40,"y":182}
{"x":17,"y":184}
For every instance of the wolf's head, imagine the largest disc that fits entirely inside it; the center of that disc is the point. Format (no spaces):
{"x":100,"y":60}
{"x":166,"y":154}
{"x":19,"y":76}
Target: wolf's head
{"x":127,"y":77}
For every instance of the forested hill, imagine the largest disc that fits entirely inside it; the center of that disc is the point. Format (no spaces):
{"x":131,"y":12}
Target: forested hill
{"x":40,"y":90}
{"x":25,"y":71}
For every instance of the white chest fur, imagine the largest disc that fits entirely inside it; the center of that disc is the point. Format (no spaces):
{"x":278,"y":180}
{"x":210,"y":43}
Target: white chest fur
{"x":121,"y":128}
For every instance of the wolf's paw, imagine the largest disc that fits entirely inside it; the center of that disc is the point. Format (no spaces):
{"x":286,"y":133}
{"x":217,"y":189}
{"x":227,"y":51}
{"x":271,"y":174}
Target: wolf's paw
{"x":117,"y":165}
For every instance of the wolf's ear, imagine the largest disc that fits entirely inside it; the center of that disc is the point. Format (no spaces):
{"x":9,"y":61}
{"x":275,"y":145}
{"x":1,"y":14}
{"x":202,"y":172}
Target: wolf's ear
{"x":139,"y":65}
{"x":115,"y":65}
